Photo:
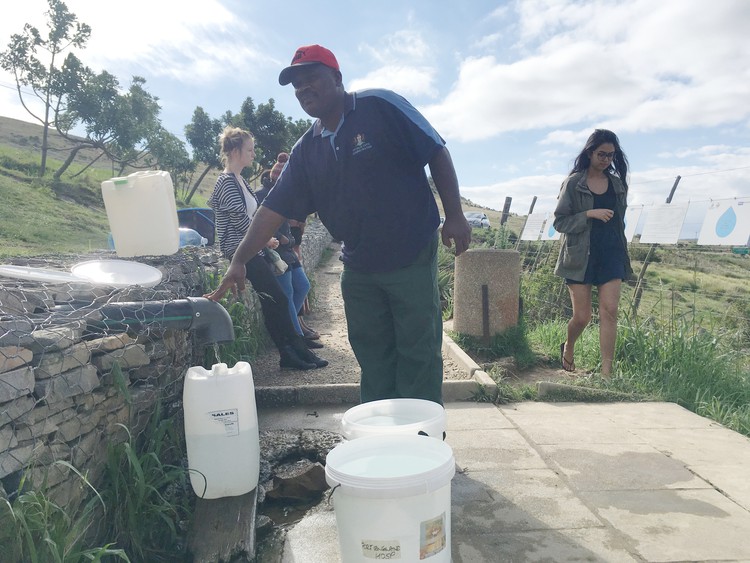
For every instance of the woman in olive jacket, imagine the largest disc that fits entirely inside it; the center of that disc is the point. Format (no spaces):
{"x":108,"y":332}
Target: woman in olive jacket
{"x":590,"y":214}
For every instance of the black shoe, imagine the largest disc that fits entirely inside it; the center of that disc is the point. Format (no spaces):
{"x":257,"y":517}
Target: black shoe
{"x":289,"y":359}
{"x":312,"y":344}
{"x":298,"y":344}
{"x":311,"y":357}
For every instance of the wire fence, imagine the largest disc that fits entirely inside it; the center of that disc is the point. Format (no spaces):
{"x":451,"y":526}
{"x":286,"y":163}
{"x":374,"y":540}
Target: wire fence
{"x":706,"y":284}
{"x":74,"y":374}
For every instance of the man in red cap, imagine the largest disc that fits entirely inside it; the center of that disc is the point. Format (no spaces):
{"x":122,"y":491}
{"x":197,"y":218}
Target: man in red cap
{"x":361,"y":167}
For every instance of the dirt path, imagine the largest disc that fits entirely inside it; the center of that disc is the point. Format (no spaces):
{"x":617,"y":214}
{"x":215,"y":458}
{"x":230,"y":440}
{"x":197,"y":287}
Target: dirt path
{"x":327,"y":317}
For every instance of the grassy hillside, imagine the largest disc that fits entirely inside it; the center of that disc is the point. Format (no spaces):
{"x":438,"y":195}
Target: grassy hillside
{"x":44,"y":217}
{"x":40,"y":216}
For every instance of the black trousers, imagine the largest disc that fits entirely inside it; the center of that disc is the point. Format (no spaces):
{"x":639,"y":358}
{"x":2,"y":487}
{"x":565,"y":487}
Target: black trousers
{"x":273,"y":301}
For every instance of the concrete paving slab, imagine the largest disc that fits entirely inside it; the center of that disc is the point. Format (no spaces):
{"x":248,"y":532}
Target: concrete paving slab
{"x":545,"y":546}
{"x":314,"y":539}
{"x":599,"y":467}
{"x":527,"y":500}
{"x":639,"y":497}
{"x":694,"y":446}
{"x":732,"y":480}
{"x":692,"y":525}
{"x":652,"y":415}
{"x":475,"y":416}
{"x":566,"y":426}
{"x":301,"y":417}
{"x":500,"y":448}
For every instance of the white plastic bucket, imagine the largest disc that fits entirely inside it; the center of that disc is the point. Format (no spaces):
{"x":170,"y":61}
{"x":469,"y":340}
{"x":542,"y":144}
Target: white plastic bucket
{"x":221,"y":430}
{"x":142,"y":214}
{"x":392,"y":498}
{"x":394,"y":416}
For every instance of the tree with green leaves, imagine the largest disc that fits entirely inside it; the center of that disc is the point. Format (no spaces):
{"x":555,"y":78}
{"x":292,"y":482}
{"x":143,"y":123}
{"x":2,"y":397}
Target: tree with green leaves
{"x":124,"y":126}
{"x":202,"y":134}
{"x":273,"y":132}
{"x":33,"y":61}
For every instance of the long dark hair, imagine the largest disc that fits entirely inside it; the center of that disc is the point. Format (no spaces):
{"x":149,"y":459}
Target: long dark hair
{"x":619,"y":164}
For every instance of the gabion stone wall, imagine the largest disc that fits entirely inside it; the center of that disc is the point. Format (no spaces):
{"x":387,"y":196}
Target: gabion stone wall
{"x":68,"y":386}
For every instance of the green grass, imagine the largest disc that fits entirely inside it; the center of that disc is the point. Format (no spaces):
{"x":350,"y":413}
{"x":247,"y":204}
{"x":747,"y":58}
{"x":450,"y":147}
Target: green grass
{"x":36,"y":220}
{"x":34,"y":529}
{"x":40,"y":216}
{"x":140,"y":511}
{"x":690,"y":348}
{"x":702,"y":368}
{"x":149,"y":506}
{"x":250,"y":335}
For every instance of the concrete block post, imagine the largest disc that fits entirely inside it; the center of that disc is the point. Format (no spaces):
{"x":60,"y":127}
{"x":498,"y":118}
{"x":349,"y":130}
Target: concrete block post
{"x":499,"y":271}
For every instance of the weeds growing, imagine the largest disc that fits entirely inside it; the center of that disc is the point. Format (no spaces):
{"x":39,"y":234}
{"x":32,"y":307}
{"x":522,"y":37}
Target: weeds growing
{"x":35,"y":529}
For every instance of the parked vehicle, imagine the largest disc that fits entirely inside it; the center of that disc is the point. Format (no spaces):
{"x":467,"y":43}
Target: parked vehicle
{"x":477,"y":219}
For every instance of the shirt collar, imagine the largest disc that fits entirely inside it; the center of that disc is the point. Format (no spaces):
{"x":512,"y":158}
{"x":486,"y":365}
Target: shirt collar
{"x":350,"y":103}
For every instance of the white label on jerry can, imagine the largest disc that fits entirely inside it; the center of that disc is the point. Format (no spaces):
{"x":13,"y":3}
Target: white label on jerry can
{"x":432,"y":537}
{"x":381,"y":550}
{"x":229,"y":418}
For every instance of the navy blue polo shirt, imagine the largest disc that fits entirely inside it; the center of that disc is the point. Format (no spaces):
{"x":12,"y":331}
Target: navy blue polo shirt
{"x":366,"y":181}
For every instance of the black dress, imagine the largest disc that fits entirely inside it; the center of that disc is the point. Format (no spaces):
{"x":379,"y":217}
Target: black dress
{"x":606,"y":255}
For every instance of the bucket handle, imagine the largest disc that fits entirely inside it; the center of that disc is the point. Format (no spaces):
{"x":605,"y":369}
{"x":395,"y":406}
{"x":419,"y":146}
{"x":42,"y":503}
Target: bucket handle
{"x":330,"y":494}
{"x":423,"y":433}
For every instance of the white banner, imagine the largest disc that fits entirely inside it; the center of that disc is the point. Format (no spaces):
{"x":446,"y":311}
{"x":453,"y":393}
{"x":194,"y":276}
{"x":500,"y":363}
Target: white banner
{"x":727,"y":222}
{"x":664,"y":223}
{"x":548,"y":230}
{"x":632,"y":216}
{"x":533,"y":226}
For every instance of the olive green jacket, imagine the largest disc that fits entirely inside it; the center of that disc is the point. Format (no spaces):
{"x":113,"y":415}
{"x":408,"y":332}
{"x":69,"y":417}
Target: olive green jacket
{"x":573,"y":202}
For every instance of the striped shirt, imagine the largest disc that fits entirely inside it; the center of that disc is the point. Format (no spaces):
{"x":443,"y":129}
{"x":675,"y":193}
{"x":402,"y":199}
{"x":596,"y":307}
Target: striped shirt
{"x":230,"y":206}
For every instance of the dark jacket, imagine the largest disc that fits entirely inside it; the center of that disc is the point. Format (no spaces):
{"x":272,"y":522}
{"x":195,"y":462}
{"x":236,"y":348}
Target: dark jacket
{"x":574,"y":200}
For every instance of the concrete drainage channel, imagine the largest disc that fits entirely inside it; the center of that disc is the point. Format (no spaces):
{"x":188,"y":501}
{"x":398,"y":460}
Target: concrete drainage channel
{"x":293,"y":477}
{"x":253,"y":527}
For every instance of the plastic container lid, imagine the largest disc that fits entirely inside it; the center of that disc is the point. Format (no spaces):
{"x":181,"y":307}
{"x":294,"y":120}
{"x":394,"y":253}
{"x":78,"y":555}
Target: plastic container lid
{"x":390,"y":466}
{"x":117,"y":273}
{"x":394,"y":416}
{"x":38,"y":274}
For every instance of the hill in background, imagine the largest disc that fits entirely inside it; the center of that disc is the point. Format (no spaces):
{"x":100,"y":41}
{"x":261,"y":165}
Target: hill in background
{"x":36,"y":219}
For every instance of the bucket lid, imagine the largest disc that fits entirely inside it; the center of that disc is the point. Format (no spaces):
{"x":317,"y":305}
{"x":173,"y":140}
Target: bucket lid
{"x":117,"y":273}
{"x":390,"y":416}
{"x":38,"y":274}
{"x":390,"y":466}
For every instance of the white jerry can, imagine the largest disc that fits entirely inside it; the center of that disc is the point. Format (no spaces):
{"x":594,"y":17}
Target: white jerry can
{"x":221,"y":430}
{"x":142,"y":214}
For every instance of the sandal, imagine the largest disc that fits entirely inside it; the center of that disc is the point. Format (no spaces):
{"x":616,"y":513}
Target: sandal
{"x":567,"y":365}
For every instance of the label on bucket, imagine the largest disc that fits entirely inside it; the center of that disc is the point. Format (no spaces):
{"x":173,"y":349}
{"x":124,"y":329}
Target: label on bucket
{"x":382,"y":550}
{"x":432,"y":537}
{"x":229,"y":418}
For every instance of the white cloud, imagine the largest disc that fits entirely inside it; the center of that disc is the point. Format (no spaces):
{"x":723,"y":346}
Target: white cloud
{"x":515,"y":89}
{"x":402,"y":64}
{"x":407,"y":81}
{"x":638,"y":65}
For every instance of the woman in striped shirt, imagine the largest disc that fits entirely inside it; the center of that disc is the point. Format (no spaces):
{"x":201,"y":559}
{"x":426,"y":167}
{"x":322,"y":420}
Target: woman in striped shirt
{"x":234,"y":205}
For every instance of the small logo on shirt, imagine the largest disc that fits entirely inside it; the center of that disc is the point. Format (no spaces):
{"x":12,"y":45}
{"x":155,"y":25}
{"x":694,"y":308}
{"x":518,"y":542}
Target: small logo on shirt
{"x":360,"y":144}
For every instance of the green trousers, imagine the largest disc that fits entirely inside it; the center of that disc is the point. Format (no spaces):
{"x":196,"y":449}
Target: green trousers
{"x":396,"y":329}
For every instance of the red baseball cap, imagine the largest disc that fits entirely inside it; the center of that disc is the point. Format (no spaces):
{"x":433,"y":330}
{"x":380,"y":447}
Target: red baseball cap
{"x":308,"y":55}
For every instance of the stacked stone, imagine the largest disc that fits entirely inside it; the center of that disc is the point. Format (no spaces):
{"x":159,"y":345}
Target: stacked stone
{"x":61,"y":397}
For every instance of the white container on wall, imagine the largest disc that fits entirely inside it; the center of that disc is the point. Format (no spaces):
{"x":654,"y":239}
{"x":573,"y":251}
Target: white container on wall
{"x":221,"y":430}
{"x":142,"y":214}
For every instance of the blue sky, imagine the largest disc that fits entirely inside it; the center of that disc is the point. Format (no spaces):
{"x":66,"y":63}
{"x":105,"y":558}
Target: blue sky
{"x":514,"y":87}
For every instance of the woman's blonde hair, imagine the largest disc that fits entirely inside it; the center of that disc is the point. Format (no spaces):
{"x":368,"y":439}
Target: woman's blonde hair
{"x":230,"y":139}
